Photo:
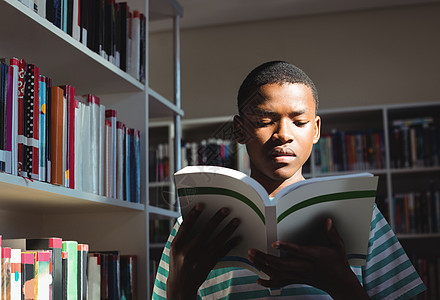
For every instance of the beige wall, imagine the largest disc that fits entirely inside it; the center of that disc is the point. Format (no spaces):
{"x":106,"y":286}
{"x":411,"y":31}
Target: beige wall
{"x":358,"y":58}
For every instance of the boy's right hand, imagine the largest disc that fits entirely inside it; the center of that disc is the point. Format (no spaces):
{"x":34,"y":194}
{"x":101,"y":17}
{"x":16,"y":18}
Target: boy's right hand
{"x":192,"y":260}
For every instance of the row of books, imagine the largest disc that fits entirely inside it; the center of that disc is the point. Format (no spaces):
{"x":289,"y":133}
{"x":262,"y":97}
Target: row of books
{"x":110,"y":29}
{"x":415,"y":143}
{"x":216,"y":152}
{"x":417,"y":212}
{"x":213,"y":151}
{"x":50,"y":134}
{"x":51,"y":268}
{"x":349,"y":151}
{"x":429,"y":271}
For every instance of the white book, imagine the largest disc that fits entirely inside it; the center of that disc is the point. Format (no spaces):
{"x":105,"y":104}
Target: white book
{"x":110,"y":115}
{"x":296,"y":214}
{"x":108,"y":156}
{"x":101,"y":177}
{"x":76,"y":29}
{"x":94,"y":278}
{"x":16,"y":274}
{"x":135,"y":45}
{"x":120,"y":159}
{"x":94,"y":141}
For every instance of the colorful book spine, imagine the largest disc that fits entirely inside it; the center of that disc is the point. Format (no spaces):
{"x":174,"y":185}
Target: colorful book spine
{"x":57,"y":136}
{"x":28,"y":275}
{"x":71,"y":247}
{"x":43,"y":275}
{"x":6,"y":271}
{"x":42,"y":130}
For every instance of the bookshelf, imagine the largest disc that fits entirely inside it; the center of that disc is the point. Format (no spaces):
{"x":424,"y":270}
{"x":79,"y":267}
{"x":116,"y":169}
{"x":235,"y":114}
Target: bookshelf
{"x":364,"y":120}
{"x":35,"y":209}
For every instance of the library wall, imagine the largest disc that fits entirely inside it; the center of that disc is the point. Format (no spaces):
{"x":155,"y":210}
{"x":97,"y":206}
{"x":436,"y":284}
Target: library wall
{"x":355,"y":58}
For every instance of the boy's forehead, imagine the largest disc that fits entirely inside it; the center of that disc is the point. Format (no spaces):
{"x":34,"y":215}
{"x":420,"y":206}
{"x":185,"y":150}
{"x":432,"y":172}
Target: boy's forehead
{"x":256,"y":101}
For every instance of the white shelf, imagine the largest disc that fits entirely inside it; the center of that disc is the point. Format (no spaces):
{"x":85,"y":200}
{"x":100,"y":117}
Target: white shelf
{"x":20,"y":194}
{"x":58,"y":55}
{"x":161,"y":107}
{"x":164,"y":9}
{"x":162,"y":212}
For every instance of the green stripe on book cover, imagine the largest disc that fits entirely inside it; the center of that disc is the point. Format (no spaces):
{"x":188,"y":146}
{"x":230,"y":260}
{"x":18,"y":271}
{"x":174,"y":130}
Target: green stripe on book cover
{"x":326,"y":198}
{"x":183,"y":192}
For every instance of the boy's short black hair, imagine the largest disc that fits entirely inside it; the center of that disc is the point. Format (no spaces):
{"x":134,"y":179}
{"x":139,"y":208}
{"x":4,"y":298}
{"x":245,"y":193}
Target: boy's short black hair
{"x":271,"y":72}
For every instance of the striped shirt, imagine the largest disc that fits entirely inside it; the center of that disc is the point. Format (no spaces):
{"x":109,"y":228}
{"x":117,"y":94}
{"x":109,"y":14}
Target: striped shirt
{"x":388,"y":273}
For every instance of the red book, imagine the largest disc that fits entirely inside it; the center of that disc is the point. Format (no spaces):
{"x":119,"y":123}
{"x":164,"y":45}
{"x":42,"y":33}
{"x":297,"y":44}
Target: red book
{"x":69,"y":93}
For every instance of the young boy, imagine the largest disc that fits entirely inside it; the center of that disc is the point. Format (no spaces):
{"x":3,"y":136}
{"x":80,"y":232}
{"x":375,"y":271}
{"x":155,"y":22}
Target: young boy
{"x":277,"y":122}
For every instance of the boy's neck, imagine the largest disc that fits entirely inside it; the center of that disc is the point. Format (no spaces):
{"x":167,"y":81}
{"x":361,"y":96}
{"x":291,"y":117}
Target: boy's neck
{"x":273,"y":186}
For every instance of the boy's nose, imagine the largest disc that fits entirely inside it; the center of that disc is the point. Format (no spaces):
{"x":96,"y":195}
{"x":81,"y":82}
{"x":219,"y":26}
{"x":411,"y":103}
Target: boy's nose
{"x":284,"y":131}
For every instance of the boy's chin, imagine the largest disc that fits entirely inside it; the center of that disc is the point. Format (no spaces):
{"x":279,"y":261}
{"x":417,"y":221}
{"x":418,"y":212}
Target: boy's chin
{"x":283,"y":174}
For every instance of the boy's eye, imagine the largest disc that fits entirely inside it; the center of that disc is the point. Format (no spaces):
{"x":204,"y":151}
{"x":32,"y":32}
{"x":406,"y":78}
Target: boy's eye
{"x":300,"y":123}
{"x":263,"y":123}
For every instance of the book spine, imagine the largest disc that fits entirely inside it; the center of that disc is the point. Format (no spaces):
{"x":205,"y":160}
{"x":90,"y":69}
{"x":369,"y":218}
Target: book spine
{"x":42,"y":129}
{"x":94,"y":103}
{"x":56,"y":136}
{"x":110,"y":115}
{"x":120,"y":160}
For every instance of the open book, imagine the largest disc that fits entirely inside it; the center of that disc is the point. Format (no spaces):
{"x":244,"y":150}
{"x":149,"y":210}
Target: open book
{"x":296,"y":214}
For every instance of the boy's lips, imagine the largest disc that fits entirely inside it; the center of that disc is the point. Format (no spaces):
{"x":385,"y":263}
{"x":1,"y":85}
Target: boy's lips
{"x":284,"y":154}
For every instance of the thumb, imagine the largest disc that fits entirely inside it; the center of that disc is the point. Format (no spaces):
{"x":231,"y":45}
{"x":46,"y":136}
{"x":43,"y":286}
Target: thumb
{"x":333,"y":235}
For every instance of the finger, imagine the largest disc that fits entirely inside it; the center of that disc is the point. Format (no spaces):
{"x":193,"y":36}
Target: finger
{"x":223,"y":250}
{"x":186,"y":226}
{"x":295,"y":250}
{"x":225,"y":233}
{"x":210,"y":227}
{"x":333,"y":235}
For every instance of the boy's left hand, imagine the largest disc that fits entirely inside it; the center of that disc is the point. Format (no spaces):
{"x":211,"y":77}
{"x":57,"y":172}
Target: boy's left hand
{"x":325,"y":268}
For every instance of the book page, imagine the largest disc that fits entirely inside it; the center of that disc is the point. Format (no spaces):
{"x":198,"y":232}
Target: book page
{"x":349,"y":201}
{"x":217,"y":188}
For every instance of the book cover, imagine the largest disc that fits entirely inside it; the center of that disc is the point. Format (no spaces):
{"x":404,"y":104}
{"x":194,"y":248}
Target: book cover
{"x":129,"y":277}
{"x":108,"y":162}
{"x":110,"y":115}
{"x":28,"y":275}
{"x":31,"y":108}
{"x":137,"y":165}
{"x":57,"y":136}
{"x":43,"y":274}
{"x":135,"y":44}
{"x":42,"y":163}
{"x":16,"y":274}
{"x":48,"y":126}
{"x":128,"y":165}
{"x":52,"y":244}
{"x":94,"y":103}
{"x":64,"y":263}
{"x":69,"y":94}
{"x":22,"y":65}
{"x":114,"y":276}
{"x":120,"y":160}
{"x":94,"y":277}
{"x":5,"y":273}
{"x":4,"y":155}
{"x":71,"y":247}
{"x":296,"y":214}
{"x":102,"y":147}
{"x":83,"y":250}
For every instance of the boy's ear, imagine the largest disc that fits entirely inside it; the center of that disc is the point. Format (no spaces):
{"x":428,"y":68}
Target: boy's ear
{"x":317,"y":131}
{"x":239,"y":132}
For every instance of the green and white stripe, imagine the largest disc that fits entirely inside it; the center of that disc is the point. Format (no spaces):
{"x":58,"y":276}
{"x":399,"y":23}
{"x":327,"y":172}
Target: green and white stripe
{"x":388,"y":273}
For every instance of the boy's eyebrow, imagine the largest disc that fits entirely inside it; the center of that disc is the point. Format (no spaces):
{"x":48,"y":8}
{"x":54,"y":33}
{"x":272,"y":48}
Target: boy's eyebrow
{"x":256,"y":111}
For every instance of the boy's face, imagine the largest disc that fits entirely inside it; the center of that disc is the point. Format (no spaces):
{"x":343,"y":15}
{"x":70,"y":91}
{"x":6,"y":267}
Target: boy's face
{"x":279,"y":129}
